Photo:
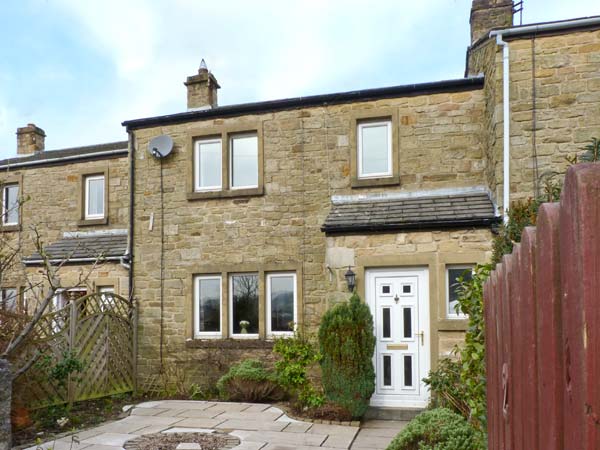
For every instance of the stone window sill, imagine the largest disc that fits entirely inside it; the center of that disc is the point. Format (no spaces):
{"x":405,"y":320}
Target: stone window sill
{"x":91,"y":222}
{"x":375,"y":182}
{"x":458,"y":324}
{"x":229,"y":343}
{"x":226,"y":194}
{"x":10,"y":228}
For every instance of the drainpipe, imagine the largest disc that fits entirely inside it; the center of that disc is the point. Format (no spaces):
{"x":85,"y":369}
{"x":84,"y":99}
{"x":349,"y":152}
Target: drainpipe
{"x":130,"y":246}
{"x":506,"y":122}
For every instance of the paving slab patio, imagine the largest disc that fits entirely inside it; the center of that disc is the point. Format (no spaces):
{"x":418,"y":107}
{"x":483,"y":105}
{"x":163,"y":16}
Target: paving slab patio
{"x":258,"y":426}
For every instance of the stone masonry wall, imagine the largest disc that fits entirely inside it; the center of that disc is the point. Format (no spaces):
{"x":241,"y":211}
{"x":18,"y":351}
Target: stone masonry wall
{"x":52,"y":205}
{"x":566,"y":95}
{"x":306,"y":160}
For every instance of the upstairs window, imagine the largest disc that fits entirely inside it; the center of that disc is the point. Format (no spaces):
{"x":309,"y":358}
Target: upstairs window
{"x":374,"y":149}
{"x":453,"y":274}
{"x":10,"y":204}
{"x":94,"y":197}
{"x":207,"y":162}
{"x":243,"y":156}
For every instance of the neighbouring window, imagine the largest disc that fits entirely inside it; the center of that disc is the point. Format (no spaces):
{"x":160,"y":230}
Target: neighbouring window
{"x":374,"y":149}
{"x":453,"y":273}
{"x":108,"y":301}
{"x":243,"y":156}
{"x":10,"y":204}
{"x":207,"y":306}
{"x":61,"y":299}
{"x":8,"y":299}
{"x":243,"y":293}
{"x":94,"y":197}
{"x":207,"y":162}
{"x":281,"y":303}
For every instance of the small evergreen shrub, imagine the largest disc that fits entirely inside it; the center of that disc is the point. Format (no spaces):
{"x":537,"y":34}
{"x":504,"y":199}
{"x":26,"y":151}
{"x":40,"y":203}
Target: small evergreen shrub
{"x":437,"y":429}
{"x":347,"y":343}
{"x":249,"y":381}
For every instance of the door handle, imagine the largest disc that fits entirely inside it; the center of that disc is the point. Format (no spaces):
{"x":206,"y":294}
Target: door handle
{"x":422,"y":335}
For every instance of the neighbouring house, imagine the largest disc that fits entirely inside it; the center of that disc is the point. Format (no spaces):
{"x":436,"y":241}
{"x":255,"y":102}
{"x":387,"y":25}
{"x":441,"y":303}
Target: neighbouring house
{"x":252,"y":222}
{"x":76,"y":201}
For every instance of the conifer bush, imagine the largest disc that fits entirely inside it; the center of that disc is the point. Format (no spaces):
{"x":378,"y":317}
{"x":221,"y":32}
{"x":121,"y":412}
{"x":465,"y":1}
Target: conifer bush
{"x":347,"y":344}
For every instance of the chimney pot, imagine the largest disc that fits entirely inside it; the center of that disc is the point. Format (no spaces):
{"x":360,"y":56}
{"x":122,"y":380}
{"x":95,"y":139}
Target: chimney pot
{"x":30,"y":139}
{"x":202,"y":89}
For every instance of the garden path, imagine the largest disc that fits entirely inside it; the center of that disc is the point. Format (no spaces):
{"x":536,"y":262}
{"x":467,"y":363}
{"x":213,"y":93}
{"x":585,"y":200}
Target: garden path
{"x":258,"y":426}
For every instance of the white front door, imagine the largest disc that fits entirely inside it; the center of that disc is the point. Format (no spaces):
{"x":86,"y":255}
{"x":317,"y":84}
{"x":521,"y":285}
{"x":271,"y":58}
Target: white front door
{"x":399,"y":302}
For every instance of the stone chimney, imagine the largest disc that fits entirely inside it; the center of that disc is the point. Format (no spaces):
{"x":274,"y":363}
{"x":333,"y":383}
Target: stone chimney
{"x":488,"y":14}
{"x":30,"y":140}
{"x":202,"y":89}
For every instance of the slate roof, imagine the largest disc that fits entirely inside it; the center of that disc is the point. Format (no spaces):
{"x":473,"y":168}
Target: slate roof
{"x":444,"y":211}
{"x":50,"y":156}
{"x":90,"y":247}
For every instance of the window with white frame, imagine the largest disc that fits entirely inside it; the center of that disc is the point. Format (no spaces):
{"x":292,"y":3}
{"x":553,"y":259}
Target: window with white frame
{"x":243,"y":305}
{"x":375,"y":149}
{"x":207,"y":306}
{"x":8,"y":299}
{"x":281,"y":303}
{"x":453,"y":275}
{"x":207,"y":165}
{"x":243,"y":161}
{"x":10,"y":204}
{"x":107,"y":300}
{"x":94,"y":197}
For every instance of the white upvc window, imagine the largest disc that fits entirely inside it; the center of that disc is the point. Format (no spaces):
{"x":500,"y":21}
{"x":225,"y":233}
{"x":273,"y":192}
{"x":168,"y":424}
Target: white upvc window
{"x":375,"y":149}
{"x":453,"y":273}
{"x":108,"y":302}
{"x":282,"y":303}
{"x":243,"y":305}
{"x":94,"y":197}
{"x":8,"y":299}
{"x":10,"y":204}
{"x":207,"y":165}
{"x":207,"y":306}
{"x":243,"y":161}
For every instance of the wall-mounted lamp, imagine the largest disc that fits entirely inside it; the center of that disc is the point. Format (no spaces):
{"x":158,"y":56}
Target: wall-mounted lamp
{"x":350,"y":279}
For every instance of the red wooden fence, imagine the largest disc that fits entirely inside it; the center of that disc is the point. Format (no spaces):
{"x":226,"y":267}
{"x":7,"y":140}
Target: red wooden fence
{"x":542,"y":314}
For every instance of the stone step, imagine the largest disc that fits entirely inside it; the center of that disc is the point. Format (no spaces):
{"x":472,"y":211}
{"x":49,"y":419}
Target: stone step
{"x":384,"y":413}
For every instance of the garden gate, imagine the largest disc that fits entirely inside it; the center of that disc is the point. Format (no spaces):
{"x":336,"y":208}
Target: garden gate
{"x":99,"y":330}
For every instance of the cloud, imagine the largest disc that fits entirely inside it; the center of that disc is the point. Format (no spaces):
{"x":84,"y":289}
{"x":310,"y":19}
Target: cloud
{"x":113,"y":60}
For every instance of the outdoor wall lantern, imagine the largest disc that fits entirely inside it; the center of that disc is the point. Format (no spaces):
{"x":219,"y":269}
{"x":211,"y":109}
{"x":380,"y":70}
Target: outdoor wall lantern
{"x":350,"y":279}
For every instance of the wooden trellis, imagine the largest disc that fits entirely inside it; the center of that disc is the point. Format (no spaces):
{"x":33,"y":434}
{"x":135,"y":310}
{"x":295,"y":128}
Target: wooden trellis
{"x":98,"y":330}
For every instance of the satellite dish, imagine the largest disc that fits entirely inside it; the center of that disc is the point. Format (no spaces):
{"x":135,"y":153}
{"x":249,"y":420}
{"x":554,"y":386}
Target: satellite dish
{"x":160,"y":146}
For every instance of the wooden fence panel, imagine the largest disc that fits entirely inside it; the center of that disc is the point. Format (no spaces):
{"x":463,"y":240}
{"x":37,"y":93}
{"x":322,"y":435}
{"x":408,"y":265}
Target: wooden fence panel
{"x":549,"y":329}
{"x":544,"y":300}
{"x":98,"y":330}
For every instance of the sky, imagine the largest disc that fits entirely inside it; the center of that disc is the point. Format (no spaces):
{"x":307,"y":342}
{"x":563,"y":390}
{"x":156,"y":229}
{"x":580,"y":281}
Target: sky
{"x":78,"y":68}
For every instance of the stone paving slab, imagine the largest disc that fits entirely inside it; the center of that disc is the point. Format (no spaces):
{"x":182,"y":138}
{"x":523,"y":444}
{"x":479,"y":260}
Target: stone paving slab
{"x":258,"y":426}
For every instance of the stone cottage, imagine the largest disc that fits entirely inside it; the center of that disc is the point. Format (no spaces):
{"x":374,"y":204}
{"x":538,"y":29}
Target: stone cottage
{"x":265,"y":214}
{"x":76,"y":202}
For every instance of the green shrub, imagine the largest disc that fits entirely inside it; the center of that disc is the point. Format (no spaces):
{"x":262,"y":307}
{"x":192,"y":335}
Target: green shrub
{"x":446,"y":387}
{"x":298,"y":354}
{"x":347,"y":343}
{"x":249,"y":381}
{"x":437,"y":429}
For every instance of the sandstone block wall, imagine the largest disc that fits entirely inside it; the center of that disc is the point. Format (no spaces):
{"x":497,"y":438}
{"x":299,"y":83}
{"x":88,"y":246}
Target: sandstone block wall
{"x":555,"y":104}
{"x":307,"y":157}
{"x":52,"y":205}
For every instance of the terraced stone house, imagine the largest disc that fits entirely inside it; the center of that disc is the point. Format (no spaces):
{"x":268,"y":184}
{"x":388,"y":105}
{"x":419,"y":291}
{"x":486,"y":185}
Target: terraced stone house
{"x":256,"y":220}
